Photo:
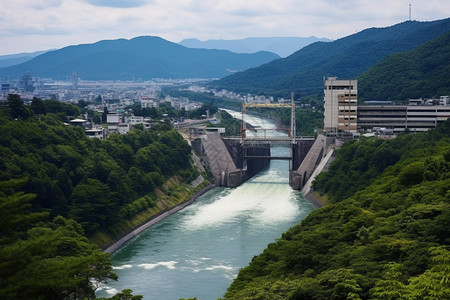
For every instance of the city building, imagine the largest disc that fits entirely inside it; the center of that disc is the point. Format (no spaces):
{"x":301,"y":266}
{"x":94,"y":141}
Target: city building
{"x":399,"y":118}
{"x":340,"y":105}
{"x":113,"y":118}
{"x":197,"y":131}
{"x":98,"y":132}
{"x":343,"y":114}
{"x":78,"y":122}
{"x":149,"y":102}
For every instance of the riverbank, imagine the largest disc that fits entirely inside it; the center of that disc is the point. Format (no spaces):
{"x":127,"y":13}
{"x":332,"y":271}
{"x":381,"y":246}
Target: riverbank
{"x":316,"y":199}
{"x":155,"y":219}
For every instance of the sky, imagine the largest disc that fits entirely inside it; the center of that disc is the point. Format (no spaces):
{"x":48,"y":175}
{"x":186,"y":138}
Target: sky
{"x":34,"y":25}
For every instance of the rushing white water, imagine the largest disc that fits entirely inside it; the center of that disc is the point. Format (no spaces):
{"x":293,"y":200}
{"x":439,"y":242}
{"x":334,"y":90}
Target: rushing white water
{"x":198,"y":251}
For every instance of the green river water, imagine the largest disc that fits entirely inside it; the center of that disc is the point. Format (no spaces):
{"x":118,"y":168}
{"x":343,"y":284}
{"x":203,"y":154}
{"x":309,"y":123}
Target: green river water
{"x":199,"y":250}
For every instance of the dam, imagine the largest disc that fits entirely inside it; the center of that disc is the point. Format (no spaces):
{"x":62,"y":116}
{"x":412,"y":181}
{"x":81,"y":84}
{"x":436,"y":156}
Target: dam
{"x":234,"y":160}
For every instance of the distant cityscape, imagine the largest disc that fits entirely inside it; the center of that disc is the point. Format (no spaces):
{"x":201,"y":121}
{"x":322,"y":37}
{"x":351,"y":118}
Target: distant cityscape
{"x":73,"y":90}
{"x":116,"y":96}
{"x":342,"y":112}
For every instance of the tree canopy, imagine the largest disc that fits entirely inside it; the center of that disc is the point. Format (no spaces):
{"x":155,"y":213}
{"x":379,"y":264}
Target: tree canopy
{"x":384,"y":236}
{"x":57,"y":187}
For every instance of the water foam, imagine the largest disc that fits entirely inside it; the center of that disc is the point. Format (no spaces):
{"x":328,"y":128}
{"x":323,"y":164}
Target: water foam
{"x":122,"y":267}
{"x":108,"y":290}
{"x":262,"y":203}
{"x":168,"y":264}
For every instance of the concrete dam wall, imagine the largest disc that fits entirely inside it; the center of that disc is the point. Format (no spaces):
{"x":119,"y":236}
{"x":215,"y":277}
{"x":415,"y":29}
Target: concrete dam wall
{"x":226,"y":160}
{"x":300,"y":175}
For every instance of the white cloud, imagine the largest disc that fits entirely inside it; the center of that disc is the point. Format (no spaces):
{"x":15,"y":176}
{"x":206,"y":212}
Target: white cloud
{"x":118,"y":3}
{"x":28,"y":25}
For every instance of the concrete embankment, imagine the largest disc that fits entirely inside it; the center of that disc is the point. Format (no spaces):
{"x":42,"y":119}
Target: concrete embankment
{"x":154,"y":220}
{"x":307,"y":188}
{"x":315,"y":199}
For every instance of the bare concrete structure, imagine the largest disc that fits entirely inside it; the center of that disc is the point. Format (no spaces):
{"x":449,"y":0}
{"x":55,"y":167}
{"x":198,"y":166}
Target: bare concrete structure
{"x":222,"y":166}
{"x":298,"y":177}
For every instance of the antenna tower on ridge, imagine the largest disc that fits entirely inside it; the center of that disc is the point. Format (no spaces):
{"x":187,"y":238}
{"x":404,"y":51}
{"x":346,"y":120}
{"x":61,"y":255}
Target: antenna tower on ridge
{"x":410,"y":11}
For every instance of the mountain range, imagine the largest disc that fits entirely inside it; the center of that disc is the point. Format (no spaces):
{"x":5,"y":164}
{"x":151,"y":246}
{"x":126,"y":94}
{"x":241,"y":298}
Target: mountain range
{"x":15,"y":59}
{"x":143,"y":57}
{"x":283,"y":46}
{"x":416,"y":74}
{"x":303,"y":71}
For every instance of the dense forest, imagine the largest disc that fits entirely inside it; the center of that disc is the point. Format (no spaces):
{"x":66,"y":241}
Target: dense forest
{"x":57,"y":186}
{"x":419,"y":73}
{"x":384,"y":235}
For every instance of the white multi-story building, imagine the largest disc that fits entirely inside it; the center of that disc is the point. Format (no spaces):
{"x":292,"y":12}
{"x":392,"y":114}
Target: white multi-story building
{"x":133,"y":120}
{"x":112,"y":118}
{"x":148,"y":102}
{"x":340,"y":105}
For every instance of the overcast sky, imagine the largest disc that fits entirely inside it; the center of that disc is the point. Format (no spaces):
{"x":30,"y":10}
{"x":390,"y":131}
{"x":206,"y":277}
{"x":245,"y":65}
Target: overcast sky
{"x":31,"y":25}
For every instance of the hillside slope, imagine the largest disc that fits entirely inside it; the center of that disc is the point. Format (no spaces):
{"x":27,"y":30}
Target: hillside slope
{"x":421,"y":72}
{"x":387,"y":241}
{"x":143,"y":57}
{"x":348,"y":57}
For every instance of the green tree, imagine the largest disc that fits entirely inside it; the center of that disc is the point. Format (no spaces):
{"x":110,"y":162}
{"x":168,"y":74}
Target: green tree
{"x":105,"y":115}
{"x":391,"y":286}
{"x":434,"y":283}
{"x":51,"y":260}
{"x":37,"y":105}
{"x":17,"y":108}
{"x":15,"y":210}
{"x":93,"y":205}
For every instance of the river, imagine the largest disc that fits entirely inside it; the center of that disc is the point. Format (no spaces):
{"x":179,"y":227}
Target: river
{"x":198,"y":251}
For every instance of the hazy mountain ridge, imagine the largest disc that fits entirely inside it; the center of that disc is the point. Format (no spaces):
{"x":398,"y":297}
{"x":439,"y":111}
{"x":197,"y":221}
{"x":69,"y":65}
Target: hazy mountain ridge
{"x":143,"y":57}
{"x":283,"y":46}
{"x":348,"y":57}
{"x":15,"y":59}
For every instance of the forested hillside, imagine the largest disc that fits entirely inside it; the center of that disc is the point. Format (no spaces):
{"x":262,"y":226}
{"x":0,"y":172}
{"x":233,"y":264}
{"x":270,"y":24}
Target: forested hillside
{"x":385,"y":234}
{"x":419,"y":73}
{"x":57,"y":186}
{"x":348,"y":57}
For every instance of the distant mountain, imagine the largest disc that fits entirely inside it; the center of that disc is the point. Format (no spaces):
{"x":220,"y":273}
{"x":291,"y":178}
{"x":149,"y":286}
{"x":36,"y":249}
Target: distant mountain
{"x":348,"y":57}
{"x":143,"y":57}
{"x":283,"y":46}
{"x":421,"y":72}
{"x":15,"y":59}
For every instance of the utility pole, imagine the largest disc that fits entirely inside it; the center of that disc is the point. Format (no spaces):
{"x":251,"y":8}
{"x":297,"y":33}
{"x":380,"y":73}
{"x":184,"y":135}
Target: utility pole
{"x":293,"y":127}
